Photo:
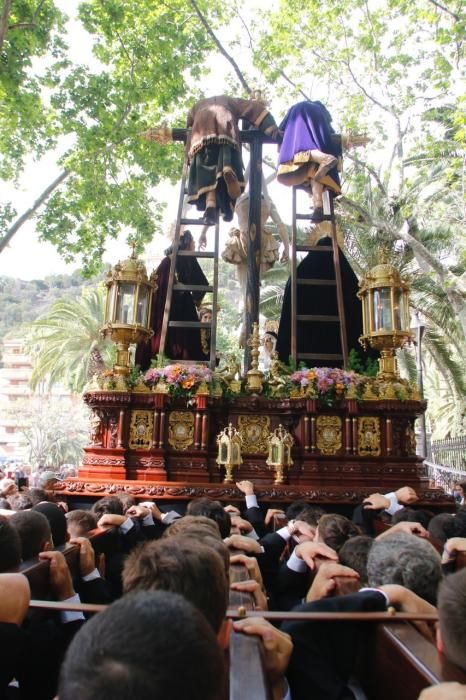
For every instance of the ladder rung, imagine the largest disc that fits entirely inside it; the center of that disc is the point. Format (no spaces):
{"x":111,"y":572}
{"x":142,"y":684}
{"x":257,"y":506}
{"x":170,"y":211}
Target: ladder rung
{"x":316,"y":283}
{"x":316,"y":248}
{"x":192,"y":287}
{"x":325,"y":217}
{"x":189,"y":324}
{"x":196,"y":254}
{"x":316,"y":317}
{"x":192,"y":222}
{"x":317,"y":356}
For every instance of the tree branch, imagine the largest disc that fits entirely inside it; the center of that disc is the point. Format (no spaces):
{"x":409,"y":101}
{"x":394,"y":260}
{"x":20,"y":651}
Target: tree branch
{"x":22,"y":25}
{"x":445,"y":9}
{"x":288,"y":80}
{"x":29,"y":212}
{"x":370,"y":170}
{"x":4,"y":21}
{"x":219,"y":46}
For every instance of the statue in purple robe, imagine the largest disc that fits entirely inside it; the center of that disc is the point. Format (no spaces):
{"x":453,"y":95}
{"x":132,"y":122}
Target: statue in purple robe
{"x":309,"y":152}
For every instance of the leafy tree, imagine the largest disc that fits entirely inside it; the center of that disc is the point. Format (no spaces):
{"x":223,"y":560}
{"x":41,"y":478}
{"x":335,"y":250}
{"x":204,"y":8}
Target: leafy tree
{"x":54,"y":429}
{"x":65,"y":343}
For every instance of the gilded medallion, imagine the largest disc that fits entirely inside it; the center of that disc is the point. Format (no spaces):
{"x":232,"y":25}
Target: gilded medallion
{"x":181,"y":430}
{"x":328,"y":434}
{"x":369,"y":436}
{"x":254,"y":431}
{"x":140,"y":431}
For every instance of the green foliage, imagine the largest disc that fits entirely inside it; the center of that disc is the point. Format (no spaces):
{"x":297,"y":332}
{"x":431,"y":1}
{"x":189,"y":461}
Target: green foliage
{"x":369,"y":367}
{"x":53,"y":429}
{"x":65,"y":341}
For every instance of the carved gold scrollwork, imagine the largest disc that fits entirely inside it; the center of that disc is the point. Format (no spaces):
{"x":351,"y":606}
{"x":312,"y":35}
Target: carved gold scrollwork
{"x":140,"y":431}
{"x":254,"y":431}
{"x":181,"y":429}
{"x":369,"y":436}
{"x":329,"y":434}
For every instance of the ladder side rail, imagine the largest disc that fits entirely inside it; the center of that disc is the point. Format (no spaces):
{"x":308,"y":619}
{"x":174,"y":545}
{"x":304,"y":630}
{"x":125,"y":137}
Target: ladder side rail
{"x":176,"y":243}
{"x":213,"y":329}
{"x":294,"y":309}
{"x":340,"y":300}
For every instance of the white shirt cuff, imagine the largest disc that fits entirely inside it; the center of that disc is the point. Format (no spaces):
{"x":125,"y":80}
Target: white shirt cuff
{"x":126,"y":526}
{"x":284,"y":533}
{"x":288,"y":692}
{"x":394,"y":505}
{"x":148,"y":520}
{"x":91,"y":576}
{"x":71,"y":615}
{"x":296,"y":564}
{"x":376,"y":590}
{"x":251,"y":501}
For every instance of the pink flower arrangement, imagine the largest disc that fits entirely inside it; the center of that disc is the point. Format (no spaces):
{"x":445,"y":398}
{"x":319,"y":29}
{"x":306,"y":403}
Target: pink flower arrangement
{"x":181,"y":380}
{"x":327,"y":383}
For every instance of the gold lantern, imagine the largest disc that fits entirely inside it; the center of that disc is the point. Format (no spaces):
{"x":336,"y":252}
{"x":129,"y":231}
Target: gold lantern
{"x":229,"y":451}
{"x":385,"y":315}
{"x":128,"y":308}
{"x":280,"y":443}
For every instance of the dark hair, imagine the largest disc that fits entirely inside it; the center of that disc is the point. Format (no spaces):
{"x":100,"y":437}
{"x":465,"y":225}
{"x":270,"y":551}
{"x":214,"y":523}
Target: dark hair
{"x":4,"y":504}
{"x":34,"y":531}
{"x":145,"y":645}
{"x":57,"y":521}
{"x":413,"y":515}
{"x":441,"y":526}
{"x":83,"y":519}
{"x":452,"y":617}
{"x":186,"y":239}
{"x":407,"y":560}
{"x":310,"y":515}
{"x":335,"y":529}
{"x":109,"y":504}
{"x":354,"y":553}
{"x":38,"y":496}
{"x":126,"y":500}
{"x":10,"y":546}
{"x":197,"y":525}
{"x":459,"y":524}
{"x":182,"y":565}
{"x":213,"y":510}
{"x":20,"y":501}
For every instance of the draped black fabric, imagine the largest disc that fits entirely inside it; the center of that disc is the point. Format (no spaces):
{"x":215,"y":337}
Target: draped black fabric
{"x":182,"y":343}
{"x":316,"y":336}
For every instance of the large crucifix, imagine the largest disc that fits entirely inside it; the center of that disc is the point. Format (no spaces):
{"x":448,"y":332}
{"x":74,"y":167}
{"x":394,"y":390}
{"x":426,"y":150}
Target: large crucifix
{"x":256,"y":138}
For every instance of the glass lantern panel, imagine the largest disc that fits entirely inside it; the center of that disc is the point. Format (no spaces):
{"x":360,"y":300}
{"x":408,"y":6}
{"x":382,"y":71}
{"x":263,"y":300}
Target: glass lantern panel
{"x":399,"y":310}
{"x":223,"y":453}
{"x":143,"y":307}
{"x":382,"y":310}
{"x":110,"y":304}
{"x":125,"y":303}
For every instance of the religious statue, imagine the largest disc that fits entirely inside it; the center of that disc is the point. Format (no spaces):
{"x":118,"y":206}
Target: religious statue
{"x":235,"y":251}
{"x":310,"y":152}
{"x":276,"y":373}
{"x":231,"y":370}
{"x":266,"y":351}
{"x":96,"y":429}
{"x":181,"y":343}
{"x":216,"y":173}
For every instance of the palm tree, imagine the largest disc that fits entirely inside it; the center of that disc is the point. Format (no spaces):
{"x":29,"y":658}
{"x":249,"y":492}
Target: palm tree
{"x":65,"y":343}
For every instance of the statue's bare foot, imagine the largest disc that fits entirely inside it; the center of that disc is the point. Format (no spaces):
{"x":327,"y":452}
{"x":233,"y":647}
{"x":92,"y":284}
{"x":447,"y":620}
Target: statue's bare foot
{"x":233,"y":187}
{"x":317,"y":214}
{"x":210,"y":217}
{"x":324,"y":167}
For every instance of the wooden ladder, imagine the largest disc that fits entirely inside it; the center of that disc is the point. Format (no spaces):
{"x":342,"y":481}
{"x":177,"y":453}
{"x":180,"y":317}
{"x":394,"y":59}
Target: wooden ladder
{"x":316,"y":286}
{"x":174,"y":285}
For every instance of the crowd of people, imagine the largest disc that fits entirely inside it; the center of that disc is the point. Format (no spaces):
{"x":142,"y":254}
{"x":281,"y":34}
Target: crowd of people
{"x":165,"y":580}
